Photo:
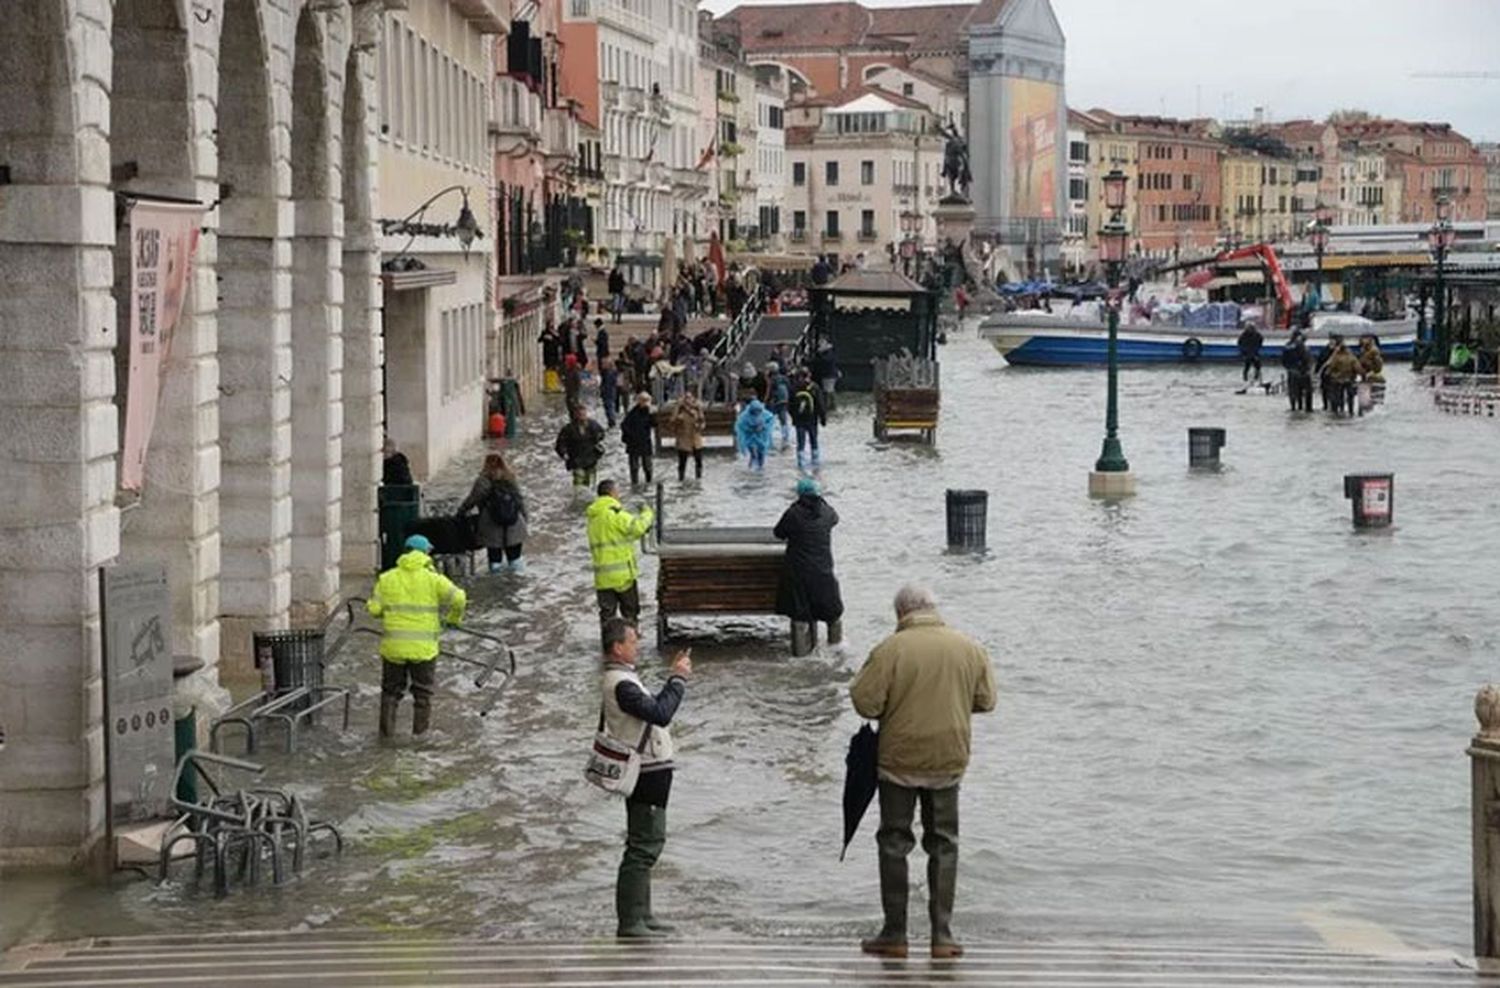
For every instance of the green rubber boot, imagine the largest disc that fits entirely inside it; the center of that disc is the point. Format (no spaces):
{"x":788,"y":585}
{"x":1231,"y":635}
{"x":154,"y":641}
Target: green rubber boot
{"x":633,"y":886}
{"x":658,"y":825}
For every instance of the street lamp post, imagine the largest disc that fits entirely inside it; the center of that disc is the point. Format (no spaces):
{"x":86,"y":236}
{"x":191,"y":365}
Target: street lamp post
{"x":1319,"y":237}
{"x":1111,"y":476}
{"x":1441,"y":238}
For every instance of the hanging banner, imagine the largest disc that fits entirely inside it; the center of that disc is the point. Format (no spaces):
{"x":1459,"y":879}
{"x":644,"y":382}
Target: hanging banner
{"x":163,"y":239}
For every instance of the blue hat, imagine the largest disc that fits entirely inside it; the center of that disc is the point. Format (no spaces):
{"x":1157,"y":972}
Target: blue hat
{"x":419,"y":542}
{"x":806,"y":485}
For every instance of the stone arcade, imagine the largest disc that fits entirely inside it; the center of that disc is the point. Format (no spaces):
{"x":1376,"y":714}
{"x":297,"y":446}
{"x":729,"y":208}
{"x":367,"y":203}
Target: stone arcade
{"x":260,"y":479}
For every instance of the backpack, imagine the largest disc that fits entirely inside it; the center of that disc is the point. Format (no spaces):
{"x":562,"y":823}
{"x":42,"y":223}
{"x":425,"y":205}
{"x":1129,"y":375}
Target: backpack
{"x":503,"y":506}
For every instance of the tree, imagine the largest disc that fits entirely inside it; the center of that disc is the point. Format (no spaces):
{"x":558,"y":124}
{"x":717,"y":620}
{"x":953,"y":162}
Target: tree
{"x":1350,"y":115}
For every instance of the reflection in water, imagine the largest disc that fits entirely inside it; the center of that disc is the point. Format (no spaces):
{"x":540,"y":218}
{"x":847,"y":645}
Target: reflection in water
{"x":1220,"y":709}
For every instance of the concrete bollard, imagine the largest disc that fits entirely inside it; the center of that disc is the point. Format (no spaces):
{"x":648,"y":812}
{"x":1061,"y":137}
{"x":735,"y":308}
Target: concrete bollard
{"x":1373,"y":496}
{"x":1204,"y":446}
{"x":1484,"y":809}
{"x":966,"y":518}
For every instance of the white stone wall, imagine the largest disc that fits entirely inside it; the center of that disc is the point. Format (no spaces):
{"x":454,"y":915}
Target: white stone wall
{"x":135,"y":86}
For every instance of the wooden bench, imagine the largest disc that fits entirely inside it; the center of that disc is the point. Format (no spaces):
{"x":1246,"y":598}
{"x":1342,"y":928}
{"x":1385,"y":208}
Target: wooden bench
{"x":718,"y":423}
{"x":907,"y":409}
{"x":717,"y":571}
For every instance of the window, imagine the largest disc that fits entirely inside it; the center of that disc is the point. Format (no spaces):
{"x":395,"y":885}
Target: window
{"x":831,"y":223}
{"x":799,"y":173}
{"x":867,"y":173}
{"x":1078,"y":152}
{"x":799,"y":221}
{"x":1078,"y":188}
{"x":908,"y":89}
{"x":831,"y":176}
{"x":867,"y":223}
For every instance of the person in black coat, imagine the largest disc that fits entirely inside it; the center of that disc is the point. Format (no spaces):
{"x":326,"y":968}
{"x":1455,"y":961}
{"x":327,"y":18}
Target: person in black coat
{"x":635,"y":429}
{"x":808,"y":590}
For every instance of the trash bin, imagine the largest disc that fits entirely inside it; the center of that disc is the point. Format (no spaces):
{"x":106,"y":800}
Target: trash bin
{"x":1373,"y":496}
{"x":288,"y":660}
{"x":1204,"y":446}
{"x":400,"y":504}
{"x":185,"y":736}
{"x":966,"y":518}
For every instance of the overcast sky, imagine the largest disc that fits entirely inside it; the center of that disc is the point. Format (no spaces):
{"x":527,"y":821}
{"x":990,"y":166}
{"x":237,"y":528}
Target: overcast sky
{"x":1296,"y":58}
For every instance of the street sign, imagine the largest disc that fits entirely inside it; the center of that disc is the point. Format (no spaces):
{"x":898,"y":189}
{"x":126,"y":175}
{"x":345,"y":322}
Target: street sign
{"x":137,"y":618}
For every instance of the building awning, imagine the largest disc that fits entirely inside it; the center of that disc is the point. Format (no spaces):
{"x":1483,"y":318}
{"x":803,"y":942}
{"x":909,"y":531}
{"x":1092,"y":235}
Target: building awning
{"x":410,"y":281}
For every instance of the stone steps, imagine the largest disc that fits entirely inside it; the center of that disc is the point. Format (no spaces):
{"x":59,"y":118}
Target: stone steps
{"x":355,"y":958}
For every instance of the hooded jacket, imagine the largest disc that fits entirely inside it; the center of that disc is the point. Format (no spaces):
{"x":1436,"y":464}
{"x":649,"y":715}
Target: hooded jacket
{"x":580,"y":446}
{"x":613,"y":532}
{"x":411,"y":600}
{"x":754,"y":425}
{"x":808,"y":589}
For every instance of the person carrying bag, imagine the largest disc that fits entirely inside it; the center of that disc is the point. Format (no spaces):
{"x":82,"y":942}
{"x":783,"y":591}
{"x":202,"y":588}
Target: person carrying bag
{"x":640,"y":773}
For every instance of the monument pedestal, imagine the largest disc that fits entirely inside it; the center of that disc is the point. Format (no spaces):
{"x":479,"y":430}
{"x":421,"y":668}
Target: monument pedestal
{"x":1111,"y":484}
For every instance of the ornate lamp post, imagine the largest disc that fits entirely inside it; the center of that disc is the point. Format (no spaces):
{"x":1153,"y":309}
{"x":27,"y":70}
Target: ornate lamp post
{"x":1441,"y":238}
{"x":1112,"y":476}
{"x":1318,"y":235}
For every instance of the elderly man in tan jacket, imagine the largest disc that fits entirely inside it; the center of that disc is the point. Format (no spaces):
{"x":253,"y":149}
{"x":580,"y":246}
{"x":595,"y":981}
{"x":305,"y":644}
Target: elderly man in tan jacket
{"x":922,"y":684}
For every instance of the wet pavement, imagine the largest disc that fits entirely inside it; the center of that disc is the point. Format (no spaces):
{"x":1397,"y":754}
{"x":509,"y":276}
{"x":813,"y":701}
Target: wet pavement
{"x":1222,"y":712}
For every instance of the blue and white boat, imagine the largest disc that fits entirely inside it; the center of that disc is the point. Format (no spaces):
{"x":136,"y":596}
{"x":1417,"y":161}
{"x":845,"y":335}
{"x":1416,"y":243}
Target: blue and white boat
{"x":1046,"y":339}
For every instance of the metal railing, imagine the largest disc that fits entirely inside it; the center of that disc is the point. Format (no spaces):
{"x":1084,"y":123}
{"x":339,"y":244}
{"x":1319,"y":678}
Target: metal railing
{"x":732,"y":343}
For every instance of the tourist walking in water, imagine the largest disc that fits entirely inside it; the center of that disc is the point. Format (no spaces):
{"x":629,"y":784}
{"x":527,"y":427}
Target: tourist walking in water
{"x":552,"y":358}
{"x":1297,"y":363}
{"x":1342,"y":368}
{"x":501,"y":527}
{"x":632,"y":716}
{"x":1250,"y":343}
{"x":779,"y":399}
{"x":922,"y":684}
{"x":807,"y":414}
{"x":687,"y":434}
{"x":635,"y":429}
{"x":580,"y":444}
{"x":609,"y":389}
{"x":754,"y":429}
{"x":613,"y":533}
{"x":412,"y":600}
{"x":808,"y":590}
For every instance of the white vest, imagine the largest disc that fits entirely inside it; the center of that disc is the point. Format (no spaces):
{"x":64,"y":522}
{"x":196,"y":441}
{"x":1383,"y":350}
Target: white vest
{"x":627,"y":729}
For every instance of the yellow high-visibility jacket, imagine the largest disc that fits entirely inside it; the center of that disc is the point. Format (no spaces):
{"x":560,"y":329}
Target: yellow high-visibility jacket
{"x":613,"y":532}
{"x":411,"y":600}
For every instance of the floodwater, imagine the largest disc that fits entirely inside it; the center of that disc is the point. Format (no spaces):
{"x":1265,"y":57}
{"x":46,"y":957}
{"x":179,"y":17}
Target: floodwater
{"x":1223,"y":714}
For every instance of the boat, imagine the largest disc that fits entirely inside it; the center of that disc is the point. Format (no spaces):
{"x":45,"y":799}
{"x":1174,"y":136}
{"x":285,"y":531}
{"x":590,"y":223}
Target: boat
{"x":1046,"y":339}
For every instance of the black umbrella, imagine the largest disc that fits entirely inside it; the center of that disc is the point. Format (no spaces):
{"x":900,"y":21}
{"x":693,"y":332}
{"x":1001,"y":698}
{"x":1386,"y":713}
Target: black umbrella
{"x":860,"y":781}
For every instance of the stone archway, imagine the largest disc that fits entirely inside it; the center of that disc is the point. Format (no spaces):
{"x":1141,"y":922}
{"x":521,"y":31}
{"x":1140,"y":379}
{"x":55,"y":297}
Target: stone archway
{"x":152,"y":151}
{"x":57,"y":436}
{"x":316,"y":342}
{"x":363,"y":411}
{"x":254,"y":343}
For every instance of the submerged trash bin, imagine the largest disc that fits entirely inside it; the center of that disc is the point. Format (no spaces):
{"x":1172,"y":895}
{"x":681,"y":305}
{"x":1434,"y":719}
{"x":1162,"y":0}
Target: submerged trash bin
{"x":1204,"y":446}
{"x":1373,"y":496}
{"x":966,"y":518}
{"x":288,"y":660}
{"x":400,"y":504}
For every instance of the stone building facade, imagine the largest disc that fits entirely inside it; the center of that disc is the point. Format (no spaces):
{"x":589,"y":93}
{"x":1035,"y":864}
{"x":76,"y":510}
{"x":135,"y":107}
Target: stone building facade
{"x":260,"y":479}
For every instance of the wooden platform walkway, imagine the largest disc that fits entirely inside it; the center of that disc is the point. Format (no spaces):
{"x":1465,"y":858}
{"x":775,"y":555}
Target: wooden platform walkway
{"x":357,"y":958}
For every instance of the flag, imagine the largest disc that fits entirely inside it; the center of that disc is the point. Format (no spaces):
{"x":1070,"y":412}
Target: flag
{"x":708,"y":155}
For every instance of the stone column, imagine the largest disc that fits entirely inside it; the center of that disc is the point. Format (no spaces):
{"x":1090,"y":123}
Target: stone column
{"x":1484,"y":774}
{"x":58,"y":428}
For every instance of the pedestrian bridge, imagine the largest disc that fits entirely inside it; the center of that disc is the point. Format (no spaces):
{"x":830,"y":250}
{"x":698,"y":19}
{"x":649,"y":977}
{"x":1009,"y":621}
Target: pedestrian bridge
{"x":360,"y":958}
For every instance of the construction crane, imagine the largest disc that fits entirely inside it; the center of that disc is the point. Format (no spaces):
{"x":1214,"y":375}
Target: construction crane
{"x":1455,"y":75}
{"x":1267,"y":256}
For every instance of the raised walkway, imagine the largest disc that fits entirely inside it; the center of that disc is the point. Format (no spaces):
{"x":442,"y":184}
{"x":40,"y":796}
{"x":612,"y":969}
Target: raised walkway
{"x":332,"y":958}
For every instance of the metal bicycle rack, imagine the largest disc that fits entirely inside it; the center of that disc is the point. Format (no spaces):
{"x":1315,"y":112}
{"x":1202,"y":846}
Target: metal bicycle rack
{"x":260,"y":824}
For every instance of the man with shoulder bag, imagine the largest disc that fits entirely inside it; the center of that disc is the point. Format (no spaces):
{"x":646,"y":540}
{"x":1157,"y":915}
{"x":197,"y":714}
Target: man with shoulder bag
{"x":632,"y":757}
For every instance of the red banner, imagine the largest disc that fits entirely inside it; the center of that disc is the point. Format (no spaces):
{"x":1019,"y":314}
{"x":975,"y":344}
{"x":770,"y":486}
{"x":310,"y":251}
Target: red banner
{"x":163,"y":239}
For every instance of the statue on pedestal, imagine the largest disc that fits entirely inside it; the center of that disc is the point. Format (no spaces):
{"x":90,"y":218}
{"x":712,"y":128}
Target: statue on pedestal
{"x":955,"y":163}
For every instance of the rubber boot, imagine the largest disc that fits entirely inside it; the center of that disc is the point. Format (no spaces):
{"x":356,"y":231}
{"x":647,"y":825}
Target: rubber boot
{"x":835,"y":632}
{"x":388,"y":707}
{"x":891,"y":941}
{"x":518,"y":566}
{"x":421,"y":715}
{"x":940,"y":841}
{"x":658,"y":828}
{"x":633,"y":885}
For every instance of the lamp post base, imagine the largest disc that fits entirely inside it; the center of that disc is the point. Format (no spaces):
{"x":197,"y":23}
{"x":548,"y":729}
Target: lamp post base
{"x":1111,"y":484}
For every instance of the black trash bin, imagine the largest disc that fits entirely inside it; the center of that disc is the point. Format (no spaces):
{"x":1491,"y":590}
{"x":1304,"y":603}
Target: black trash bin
{"x":966,"y":518}
{"x":288,"y":660}
{"x":400,"y":504}
{"x":1373,"y":497}
{"x":1204,"y":446}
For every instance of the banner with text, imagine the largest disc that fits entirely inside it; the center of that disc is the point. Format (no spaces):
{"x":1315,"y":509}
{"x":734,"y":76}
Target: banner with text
{"x":163,"y":239}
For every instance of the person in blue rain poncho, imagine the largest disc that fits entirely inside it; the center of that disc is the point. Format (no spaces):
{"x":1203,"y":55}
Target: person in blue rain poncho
{"x":753,"y":430}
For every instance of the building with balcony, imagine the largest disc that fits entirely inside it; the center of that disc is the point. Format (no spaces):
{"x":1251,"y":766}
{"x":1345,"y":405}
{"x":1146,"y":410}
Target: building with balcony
{"x":1256,"y":192}
{"x":1178,"y":207}
{"x":635,"y":79}
{"x":435,"y":159}
{"x":1075,"y":231}
{"x":1491,"y":155}
{"x":1432,"y":160}
{"x":1109,"y":147}
{"x":865,"y":169}
{"x":1369,"y":190}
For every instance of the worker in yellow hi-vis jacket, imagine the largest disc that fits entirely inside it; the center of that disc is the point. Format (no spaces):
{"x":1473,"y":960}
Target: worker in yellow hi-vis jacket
{"x":412,"y":600}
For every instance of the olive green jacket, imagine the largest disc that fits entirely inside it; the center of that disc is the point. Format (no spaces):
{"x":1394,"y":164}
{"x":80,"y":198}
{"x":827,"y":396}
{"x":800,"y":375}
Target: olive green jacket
{"x":922,"y":684}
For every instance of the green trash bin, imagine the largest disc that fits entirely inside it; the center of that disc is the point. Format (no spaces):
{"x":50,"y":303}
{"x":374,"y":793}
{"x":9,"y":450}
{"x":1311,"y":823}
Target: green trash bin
{"x":185,"y":734}
{"x":400,"y":504}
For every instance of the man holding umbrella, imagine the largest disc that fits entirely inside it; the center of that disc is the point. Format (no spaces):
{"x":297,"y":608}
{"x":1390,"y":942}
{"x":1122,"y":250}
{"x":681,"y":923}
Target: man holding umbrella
{"x":922,"y":684}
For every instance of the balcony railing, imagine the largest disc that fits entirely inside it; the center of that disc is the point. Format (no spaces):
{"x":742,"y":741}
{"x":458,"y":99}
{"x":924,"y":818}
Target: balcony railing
{"x":659,"y":174}
{"x":609,"y":89}
{"x":614,"y":12}
{"x":832,"y":236}
{"x":798,"y":236}
{"x":559,"y":133}
{"x":867,"y":235}
{"x":634,"y":98}
{"x":518,"y":111}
